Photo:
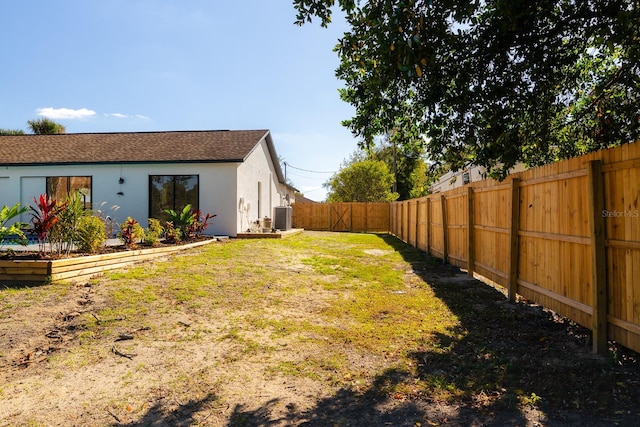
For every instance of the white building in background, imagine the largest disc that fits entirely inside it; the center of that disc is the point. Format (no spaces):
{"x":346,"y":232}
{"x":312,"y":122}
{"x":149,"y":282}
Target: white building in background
{"x":451,"y":180}
{"x":235,"y":175}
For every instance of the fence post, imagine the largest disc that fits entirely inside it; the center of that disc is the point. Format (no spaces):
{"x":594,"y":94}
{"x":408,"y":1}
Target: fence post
{"x":514,"y":247}
{"x":389,"y":213}
{"x":470,"y":232}
{"x":417,"y":223}
{"x":445,"y":249}
{"x":395,"y":219}
{"x":427,"y":218}
{"x":598,"y":257}
{"x":394,"y":211}
{"x":401,"y":224}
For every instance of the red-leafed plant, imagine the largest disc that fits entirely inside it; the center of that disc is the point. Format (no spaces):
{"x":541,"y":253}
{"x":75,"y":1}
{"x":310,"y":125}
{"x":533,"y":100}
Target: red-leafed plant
{"x":199,"y":224}
{"x":171,"y":233}
{"x":131,"y":232}
{"x":189,"y":222}
{"x":44,"y":216}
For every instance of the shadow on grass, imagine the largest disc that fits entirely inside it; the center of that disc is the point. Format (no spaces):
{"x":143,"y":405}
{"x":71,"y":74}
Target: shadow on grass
{"x":516,"y":364}
{"x":345,"y":408}
{"x":15,"y":285}
{"x":184,"y":416}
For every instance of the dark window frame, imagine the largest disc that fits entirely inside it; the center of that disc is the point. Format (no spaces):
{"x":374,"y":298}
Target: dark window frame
{"x":87,"y":205}
{"x":195,"y":205}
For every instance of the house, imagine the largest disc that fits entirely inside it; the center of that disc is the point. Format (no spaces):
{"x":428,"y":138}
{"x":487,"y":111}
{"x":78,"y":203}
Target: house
{"x":451,"y":180}
{"x":301,"y":199}
{"x":235,"y":175}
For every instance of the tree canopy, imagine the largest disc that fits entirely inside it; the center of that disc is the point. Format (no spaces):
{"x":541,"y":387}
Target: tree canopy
{"x":490,"y":82}
{"x":361,"y":180}
{"x":45,"y":126}
{"x":11,"y":132}
{"x":408,"y":164}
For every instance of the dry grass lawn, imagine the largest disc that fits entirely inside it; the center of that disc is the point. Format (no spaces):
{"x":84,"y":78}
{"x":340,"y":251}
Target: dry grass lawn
{"x":315,"y":329}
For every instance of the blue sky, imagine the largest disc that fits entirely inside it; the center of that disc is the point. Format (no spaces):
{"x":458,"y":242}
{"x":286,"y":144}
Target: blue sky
{"x":155,"y":65}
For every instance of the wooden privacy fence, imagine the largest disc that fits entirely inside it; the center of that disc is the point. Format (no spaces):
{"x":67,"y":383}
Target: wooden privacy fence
{"x":565,"y":235}
{"x":358,"y":217}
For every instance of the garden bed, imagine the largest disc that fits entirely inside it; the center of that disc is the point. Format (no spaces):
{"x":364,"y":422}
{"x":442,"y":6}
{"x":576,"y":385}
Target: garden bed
{"x":79,"y":268}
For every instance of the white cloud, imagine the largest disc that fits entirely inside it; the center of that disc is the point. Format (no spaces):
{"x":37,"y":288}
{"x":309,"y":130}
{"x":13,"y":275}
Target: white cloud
{"x":127,"y":116}
{"x":65,"y":113}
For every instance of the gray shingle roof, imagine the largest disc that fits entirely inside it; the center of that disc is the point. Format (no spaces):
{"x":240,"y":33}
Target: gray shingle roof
{"x":132,"y":147}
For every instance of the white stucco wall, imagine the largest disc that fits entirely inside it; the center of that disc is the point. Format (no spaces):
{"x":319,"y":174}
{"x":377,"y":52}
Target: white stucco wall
{"x":217,"y":189}
{"x":258,"y":168}
{"x":451,"y":180}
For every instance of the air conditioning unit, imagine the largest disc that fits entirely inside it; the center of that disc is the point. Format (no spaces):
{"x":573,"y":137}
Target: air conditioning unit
{"x":282,"y":218}
{"x":466,"y":178}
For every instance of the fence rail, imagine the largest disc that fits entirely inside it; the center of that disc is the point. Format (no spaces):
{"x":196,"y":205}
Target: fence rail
{"x":565,"y":235}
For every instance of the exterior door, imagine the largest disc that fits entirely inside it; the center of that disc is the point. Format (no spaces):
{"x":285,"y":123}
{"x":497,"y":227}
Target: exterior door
{"x":31,"y":187}
{"x":340,"y":217}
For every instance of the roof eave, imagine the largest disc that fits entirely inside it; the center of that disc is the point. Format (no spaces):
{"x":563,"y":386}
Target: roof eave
{"x":275,"y":159}
{"x":118,"y":162}
{"x":272,"y":153}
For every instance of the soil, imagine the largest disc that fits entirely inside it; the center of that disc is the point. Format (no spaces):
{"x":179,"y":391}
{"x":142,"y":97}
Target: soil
{"x":162,"y":372}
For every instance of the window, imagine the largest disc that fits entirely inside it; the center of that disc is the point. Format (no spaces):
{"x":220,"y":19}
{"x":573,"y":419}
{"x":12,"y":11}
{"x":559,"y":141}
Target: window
{"x":172,"y":192}
{"x":59,"y":188}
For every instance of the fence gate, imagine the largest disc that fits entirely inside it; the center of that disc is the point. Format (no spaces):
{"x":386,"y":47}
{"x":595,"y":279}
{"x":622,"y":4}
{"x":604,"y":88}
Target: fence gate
{"x":340,"y":217}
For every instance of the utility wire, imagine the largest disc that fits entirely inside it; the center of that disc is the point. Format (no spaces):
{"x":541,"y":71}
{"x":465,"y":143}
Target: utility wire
{"x":305,"y":170}
{"x":312,"y":190}
{"x":305,"y":176}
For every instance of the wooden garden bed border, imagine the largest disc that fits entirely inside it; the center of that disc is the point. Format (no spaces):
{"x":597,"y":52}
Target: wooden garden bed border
{"x":81,"y":268}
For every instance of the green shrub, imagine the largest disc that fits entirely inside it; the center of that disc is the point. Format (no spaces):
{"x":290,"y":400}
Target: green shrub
{"x":154,"y":232}
{"x":62,"y":234}
{"x":90,"y":234}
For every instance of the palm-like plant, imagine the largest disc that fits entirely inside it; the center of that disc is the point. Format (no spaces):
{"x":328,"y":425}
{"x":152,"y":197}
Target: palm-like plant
{"x":7,"y":214}
{"x":181,"y":220}
{"x":190,"y":223}
{"x":45,"y":126}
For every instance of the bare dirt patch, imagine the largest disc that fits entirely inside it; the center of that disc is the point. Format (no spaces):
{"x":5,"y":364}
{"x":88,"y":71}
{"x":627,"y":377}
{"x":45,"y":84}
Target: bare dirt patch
{"x":319,"y":329}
